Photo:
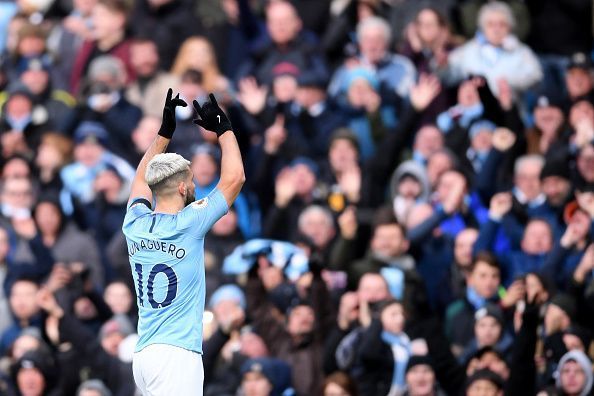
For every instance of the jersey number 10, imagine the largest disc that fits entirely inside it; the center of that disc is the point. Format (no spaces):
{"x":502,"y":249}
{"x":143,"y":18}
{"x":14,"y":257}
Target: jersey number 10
{"x":171,"y":286}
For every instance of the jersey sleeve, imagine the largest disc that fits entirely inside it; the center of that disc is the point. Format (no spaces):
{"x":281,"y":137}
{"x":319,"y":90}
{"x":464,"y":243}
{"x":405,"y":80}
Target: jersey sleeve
{"x":200,"y":215}
{"x":138,"y":208}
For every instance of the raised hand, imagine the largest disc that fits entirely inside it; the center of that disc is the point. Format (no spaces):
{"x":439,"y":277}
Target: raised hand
{"x":423,"y":93}
{"x":212,"y":117}
{"x":586,"y":202}
{"x":251,"y":96}
{"x":503,"y":139}
{"x":168,"y":123}
{"x":347,"y":222}
{"x":501,"y":203}
{"x":506,"y":98}
{"x":275,"y":135}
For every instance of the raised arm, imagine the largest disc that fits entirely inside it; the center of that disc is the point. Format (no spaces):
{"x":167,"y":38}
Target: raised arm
{"x":214,"y":119}
{"x":140,"y":188}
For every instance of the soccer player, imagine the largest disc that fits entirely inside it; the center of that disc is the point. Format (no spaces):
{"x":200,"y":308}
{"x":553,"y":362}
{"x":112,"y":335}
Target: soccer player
{"x":166,"y":251}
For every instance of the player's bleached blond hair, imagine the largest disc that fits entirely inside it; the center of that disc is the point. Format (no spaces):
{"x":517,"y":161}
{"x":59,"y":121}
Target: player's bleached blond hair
{"x":163,"y":166}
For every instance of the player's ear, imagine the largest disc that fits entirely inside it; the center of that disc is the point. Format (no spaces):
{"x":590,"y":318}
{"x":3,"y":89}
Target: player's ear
{"x":181,"y":188}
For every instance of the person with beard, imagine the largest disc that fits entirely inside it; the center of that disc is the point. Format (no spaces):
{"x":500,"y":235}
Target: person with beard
{"x":169,"y":240}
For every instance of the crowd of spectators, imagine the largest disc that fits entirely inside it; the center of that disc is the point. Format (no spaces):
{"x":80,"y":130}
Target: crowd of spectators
{"x":418,"y":216}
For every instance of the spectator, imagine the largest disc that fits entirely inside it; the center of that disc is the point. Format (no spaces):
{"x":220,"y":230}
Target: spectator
{"x":24,"y":309}
{"x":151,"y":83}
{"x":167,"y":22}
{"x":35,"y":76}
{"x":67,"y":37}
{"x":91,"y":157}
{"x":55,"y":151}
{"x":496,"y":53}
{"x":67,"y":243}
{"x":339,"y":383}
{"x":197,"y":53}
{"x":108,"y":37}
{"x":265,"y":377}
{"x":20,"y":127}
{"x":395,"y":74}
{"x":104,"y":102}
{"x":420,"y":377}
{"x":286,"y":42}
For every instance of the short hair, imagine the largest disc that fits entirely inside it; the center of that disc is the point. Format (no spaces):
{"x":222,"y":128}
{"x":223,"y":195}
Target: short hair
{"x":499,"y":7}
{"x":487,"y":258}
{"x":164,"y":169}
{"x":120,"y":6}
{"x":523,"y":160}
{"x":374,"y":22}
{"x":315,"y":209}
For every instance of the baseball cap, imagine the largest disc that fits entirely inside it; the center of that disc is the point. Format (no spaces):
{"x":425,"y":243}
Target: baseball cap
{"x":309,"y":79}
{"x":34,"y":63}
{"x":418,"y":360}
{"x":226,"y":293}
{"x":579,"y":60}
{"x":546,"y":101}
{"x":313,"y":167}
{"x":285,"y":69}
{"x":91,"y":132}
{"x":275,"y":370}
{"x":489,"y":310}
{"x":566,"y":303}
{"x":485,"y":374}
{"x":479,"y":126}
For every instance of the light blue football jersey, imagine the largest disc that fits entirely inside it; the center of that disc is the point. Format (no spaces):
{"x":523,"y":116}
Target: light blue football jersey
{"x":166,"y":253}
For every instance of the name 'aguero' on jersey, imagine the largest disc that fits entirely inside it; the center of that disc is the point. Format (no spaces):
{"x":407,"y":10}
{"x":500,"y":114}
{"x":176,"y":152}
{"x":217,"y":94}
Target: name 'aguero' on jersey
{"x":166,"y":253}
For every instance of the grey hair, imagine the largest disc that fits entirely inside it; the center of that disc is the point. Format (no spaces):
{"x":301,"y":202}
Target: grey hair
{"x":374,"y":22}
{"x":523,"y":160}
{"x":107,"y":64}
{"x":163,"y":166}
{"x":96,"y":385}
{"x":496,"y":7}
{"x":312,"y":210}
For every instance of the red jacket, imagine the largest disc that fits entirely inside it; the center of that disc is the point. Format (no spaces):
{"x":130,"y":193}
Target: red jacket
{"x":83,"y":58}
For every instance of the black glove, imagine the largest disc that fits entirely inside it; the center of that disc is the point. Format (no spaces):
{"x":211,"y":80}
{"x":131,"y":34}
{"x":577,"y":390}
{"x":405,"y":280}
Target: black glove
{"x":168,"y":123}
{"x":212,"y":118}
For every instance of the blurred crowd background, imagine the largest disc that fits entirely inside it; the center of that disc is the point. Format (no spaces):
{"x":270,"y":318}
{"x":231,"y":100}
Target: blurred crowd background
{"x":418,"y":217}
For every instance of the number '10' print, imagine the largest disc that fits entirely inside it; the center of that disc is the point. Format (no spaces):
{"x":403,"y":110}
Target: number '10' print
{"x":171,"y":286}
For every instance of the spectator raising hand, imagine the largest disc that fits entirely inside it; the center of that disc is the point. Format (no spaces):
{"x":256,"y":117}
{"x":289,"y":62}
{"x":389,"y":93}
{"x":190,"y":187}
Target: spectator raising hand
{"x":424,"y":91}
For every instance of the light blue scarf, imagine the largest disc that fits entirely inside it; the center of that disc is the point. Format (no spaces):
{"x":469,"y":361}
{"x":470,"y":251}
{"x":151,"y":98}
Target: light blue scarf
{"x":400,"y":344}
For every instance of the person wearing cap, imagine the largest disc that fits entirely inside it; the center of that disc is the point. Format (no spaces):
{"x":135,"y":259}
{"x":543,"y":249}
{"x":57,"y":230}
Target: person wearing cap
{"x":546,"y":137}
{"x":484,"y":383}
{"x":35,"y":374}
{"x":103,"y":100}
{"x":489,"y":330}
{"x":578,"y":79}
{"x":369,"y":116}
{"x":108,"y":37}
{"x":93,"y":387}
{"x":91,"y":157}
{"x":35,"y":74}
{"x":480,"y":134}
{"x":266,"y":377}
{"x":556,"y":183}
{"x":21,"y":126}
{"x":420,"y":377}
{"x":569,"y":249}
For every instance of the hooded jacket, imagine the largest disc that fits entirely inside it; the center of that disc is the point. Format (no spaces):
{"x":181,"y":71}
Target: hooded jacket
{"x":580,"y":358}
